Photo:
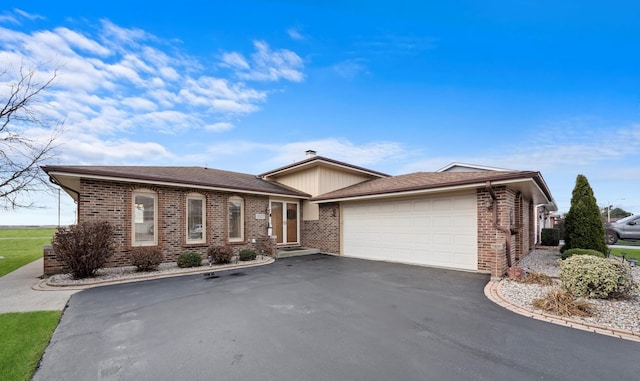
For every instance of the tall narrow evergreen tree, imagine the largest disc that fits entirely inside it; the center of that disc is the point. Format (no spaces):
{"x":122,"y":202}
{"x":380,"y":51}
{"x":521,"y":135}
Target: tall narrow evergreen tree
{"x":583,"y":225}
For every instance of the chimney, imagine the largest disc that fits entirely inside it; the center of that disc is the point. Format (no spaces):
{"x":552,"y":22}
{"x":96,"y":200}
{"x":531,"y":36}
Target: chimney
{"x":311,"y":153}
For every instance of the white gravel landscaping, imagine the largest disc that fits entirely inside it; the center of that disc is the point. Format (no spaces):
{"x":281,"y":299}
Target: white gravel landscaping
{"x":115,"y":274}
{"x":619,"y":314}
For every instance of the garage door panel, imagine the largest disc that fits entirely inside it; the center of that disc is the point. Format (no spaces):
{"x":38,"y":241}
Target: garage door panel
{"x":464,"y":222}
{"x":442,"y":204}
{"x":468,"y":203}
{"x":435,"y":231}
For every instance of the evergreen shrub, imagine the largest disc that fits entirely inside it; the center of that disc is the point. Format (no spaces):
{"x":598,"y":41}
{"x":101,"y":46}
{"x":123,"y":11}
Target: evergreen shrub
{"x":189,"y":260}
{"x":247,"y":255}
{"x":550,"y":237}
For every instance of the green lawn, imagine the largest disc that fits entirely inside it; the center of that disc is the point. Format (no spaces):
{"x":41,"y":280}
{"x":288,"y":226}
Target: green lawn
{"x":22,"y":246}
{"x":628,"y":243}
{"x":23,"y":338}
{"x":631,"y":253}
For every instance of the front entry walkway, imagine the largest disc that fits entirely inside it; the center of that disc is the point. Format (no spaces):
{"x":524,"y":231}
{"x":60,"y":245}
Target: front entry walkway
{"x":295,"y":251}
{"x":17,"y":295}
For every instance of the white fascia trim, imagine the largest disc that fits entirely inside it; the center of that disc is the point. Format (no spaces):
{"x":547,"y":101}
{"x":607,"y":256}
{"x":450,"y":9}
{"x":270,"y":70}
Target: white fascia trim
{"x":402,"y":194}
{"x":432,"y":190}
{"x":166,"y":183}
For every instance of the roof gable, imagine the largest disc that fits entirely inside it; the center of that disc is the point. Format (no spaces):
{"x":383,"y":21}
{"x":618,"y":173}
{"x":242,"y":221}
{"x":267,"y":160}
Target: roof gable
{"x":314,"y":161}
{"x":463,"y":167}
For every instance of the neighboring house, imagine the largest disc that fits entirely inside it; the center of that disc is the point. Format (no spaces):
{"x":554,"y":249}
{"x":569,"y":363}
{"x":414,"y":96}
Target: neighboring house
{"x":451,"y":219}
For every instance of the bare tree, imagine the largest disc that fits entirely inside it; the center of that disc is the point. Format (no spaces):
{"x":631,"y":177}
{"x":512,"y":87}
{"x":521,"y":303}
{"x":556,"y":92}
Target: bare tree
{"x":22,"y":152}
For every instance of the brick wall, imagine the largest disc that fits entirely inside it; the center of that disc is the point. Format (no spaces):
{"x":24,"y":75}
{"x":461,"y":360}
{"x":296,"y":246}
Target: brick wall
{"x":514,"y":211}
{"x":112,"y":201}
{"x":523,"y":242}
{"x":323,"y":234}
{"x":491,"y":242}
{"x":51,"y":264}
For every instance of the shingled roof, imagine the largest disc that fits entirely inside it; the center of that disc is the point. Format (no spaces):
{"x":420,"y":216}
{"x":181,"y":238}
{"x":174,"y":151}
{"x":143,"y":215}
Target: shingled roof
{"x":420,"y":181}
{"x":178,"y":176}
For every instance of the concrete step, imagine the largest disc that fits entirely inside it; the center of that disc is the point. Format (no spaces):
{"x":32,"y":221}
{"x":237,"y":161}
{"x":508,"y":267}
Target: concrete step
{"x":287,"y":252}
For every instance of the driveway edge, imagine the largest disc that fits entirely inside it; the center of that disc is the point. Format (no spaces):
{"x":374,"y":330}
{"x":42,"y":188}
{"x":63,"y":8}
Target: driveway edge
{"x":493,"y":292}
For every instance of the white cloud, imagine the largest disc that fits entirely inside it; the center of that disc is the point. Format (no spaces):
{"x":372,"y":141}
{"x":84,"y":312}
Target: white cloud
{"x":235,"y":60}
{"x":27,"y":15}
{"x":78,"y":40}
{"x":9,"y":19}
{"x":87,"y":149}
{"x":219,"y":127}
{"x":365,"y":154}
{"x":114,"y":82}
{"x":350,"y":69}
{"x":266,"y":65}
{"x":295,"y":34}
{"x":123,"y":38}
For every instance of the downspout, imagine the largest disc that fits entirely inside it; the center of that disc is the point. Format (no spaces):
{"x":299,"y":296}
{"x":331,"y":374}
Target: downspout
{"x":506,"y":231}
{"x":539,"y":223}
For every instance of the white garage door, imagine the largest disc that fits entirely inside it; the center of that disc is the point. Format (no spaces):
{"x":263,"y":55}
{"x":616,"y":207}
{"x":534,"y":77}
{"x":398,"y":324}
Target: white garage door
{"x":432,"y":231}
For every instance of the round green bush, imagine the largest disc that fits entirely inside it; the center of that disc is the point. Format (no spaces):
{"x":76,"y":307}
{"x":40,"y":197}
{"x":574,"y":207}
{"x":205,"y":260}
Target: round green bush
{"x":247,"y":255}
{"x":189,"y":260}
{"x":571,"y":252}
{"x":597,"y":278}
{"x":220,"y":254}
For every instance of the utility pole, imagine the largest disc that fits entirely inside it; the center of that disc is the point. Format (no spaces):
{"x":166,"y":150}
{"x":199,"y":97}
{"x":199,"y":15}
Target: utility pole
{"x":58,"y":207}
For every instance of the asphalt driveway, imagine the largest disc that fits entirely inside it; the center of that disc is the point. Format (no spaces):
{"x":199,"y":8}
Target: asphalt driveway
{"x":320,"y":318}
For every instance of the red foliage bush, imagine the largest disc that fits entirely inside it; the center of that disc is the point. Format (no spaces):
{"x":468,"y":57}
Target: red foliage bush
{"x":84,"y":248}
{"x":146,"y":258}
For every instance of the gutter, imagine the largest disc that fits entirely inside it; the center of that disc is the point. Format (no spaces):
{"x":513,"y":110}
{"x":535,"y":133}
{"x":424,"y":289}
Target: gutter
{"x":506,"y":231}
{"x":54,"y":181}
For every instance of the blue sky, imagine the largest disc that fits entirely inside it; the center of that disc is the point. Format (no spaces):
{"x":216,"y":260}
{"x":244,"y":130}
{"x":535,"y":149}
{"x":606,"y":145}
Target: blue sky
{"x":395,"y":86}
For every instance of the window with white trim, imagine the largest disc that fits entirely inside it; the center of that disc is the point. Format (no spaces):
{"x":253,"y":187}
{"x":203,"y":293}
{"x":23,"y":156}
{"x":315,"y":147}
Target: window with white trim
{"x":145,"y":218}
{"x":196,"y":218}
{"x":236,"y":219}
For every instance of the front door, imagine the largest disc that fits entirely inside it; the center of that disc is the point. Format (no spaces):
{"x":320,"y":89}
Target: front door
{"x":284,"y":221}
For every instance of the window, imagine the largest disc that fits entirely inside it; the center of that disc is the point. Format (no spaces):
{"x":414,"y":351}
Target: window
{"x":145,"y":213}
{"x":196,"y":217}
{"x":236,"y":219}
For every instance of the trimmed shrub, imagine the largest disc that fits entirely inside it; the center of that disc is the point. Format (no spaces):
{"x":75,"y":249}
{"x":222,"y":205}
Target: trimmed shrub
{"x":189,"y":260}
{"x":568,"y":253}
{"x":84,"y":248}
{"x":146,"y":258}
{"x":247,"y":255}
{"x":550,"y":237}
{"x":220,"y":254}
{"x":597,"y":278}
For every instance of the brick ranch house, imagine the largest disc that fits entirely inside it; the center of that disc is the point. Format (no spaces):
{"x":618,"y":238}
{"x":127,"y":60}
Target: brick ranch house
{"x":462,"y":217}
